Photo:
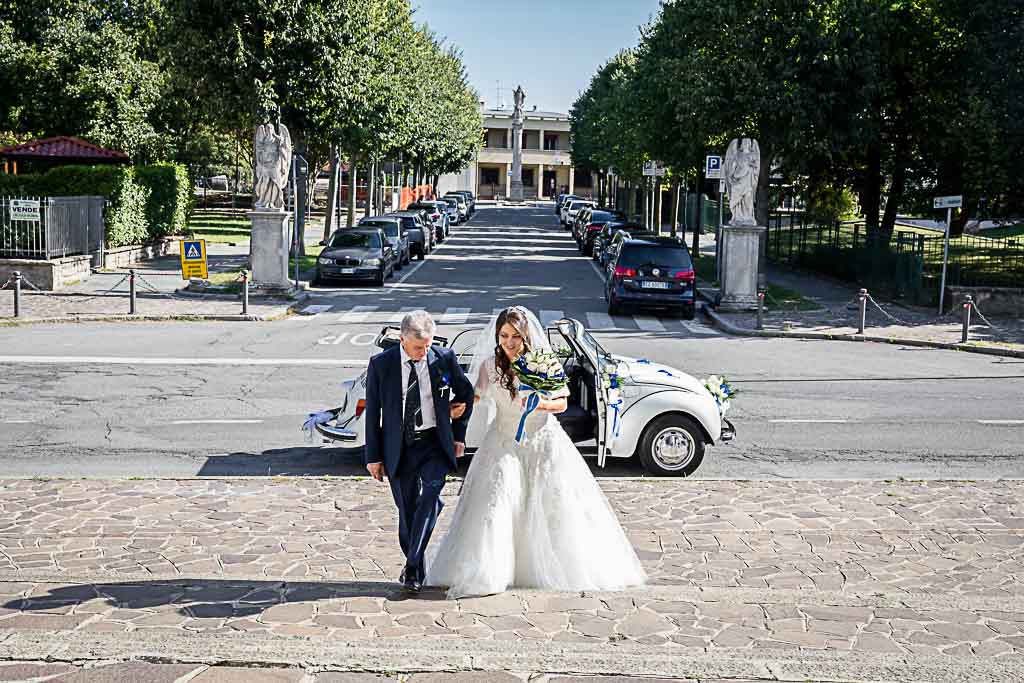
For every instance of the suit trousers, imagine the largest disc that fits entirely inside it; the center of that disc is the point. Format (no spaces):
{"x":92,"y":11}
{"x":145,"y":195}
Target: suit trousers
{"x":417,"y":493}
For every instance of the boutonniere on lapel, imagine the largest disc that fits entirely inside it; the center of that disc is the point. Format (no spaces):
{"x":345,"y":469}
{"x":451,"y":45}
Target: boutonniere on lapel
{"x":444,"y":387}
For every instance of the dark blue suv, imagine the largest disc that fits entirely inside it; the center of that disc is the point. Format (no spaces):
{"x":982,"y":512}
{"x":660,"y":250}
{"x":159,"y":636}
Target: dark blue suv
{"x":654,"y":272}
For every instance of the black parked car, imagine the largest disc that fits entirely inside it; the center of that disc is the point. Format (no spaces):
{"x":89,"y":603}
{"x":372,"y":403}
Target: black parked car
{"x":591,"y":223}
{"x":655,"y":272}
{"x":421,"y":239}
{"x":604,"y":236}
{"x":354,"y":254}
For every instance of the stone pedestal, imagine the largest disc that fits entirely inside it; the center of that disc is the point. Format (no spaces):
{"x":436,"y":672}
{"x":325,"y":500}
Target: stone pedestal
{"x":515,"y":193}
{"x":268,"y":250}
{"x":738,"y":267}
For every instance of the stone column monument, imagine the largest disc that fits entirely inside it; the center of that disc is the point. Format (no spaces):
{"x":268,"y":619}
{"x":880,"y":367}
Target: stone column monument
{"x":269,"y":244}
{"x":516,"y":187}
{"x":741,"y":237}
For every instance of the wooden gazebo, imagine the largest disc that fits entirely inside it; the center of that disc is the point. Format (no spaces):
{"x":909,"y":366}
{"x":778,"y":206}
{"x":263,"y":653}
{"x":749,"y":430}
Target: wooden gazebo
{"x":59,"y":151}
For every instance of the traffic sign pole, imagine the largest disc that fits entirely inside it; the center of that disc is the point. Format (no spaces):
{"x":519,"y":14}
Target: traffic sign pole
{"x":945,"y":260}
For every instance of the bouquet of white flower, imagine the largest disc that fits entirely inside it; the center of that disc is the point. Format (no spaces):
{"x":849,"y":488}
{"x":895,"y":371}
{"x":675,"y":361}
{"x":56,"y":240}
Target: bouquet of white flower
{"x":539,"y":373}
{"x":721,"y":391}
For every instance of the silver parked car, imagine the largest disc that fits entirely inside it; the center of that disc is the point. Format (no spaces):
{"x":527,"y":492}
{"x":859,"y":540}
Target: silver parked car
{"x":398,"y":238}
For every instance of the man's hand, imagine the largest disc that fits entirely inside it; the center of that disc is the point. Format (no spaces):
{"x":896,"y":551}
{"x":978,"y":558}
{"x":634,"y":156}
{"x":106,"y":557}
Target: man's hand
{"x":457,"y":410}
{"x":460,"y":449}
{"x":376,"y":470}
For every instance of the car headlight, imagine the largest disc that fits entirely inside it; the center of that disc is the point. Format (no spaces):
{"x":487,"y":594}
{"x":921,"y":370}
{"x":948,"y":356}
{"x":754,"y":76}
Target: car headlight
{"x":371,"y":262}
{"x":325,"y":261}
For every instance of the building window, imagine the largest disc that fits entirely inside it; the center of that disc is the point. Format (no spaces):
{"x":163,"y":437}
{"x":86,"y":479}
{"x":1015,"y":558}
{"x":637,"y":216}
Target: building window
{"x":489,"y":176}
{"x":487,"y":138}
{"x":528,"y":177}
{"x":551,"y":141}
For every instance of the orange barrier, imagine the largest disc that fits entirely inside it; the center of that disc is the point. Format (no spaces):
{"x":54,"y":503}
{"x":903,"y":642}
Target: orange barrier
{"x":411,"y":195}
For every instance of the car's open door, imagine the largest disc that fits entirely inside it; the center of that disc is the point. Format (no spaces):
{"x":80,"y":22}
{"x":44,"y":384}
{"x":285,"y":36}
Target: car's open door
{"x":570,"y":331}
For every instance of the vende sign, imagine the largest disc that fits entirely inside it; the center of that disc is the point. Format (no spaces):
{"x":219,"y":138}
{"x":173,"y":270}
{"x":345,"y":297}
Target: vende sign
{"x":25,"y":210}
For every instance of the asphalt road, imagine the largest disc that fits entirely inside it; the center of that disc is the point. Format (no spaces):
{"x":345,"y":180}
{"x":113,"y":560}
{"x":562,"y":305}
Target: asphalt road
{"x":227,"y":399}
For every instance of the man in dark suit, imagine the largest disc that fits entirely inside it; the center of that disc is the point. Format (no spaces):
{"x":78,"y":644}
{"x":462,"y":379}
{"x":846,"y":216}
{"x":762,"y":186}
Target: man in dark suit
{"x":418,"y":404}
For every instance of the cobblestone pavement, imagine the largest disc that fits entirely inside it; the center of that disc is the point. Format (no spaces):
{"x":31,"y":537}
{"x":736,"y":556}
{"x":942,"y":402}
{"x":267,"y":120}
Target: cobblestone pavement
{"x":857,"y":574}
{"x":51,"y":305}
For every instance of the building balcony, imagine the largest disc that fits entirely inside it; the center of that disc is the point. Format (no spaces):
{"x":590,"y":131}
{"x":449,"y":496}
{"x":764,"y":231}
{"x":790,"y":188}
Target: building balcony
{"x":503,"y":155}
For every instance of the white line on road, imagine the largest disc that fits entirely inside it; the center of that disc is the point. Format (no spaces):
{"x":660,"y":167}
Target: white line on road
{"x":600,"y":321}
{"x":315,"y":309}
{"x":455,"y":316}
{"x":548,"y":317}
{"x":397,"y":317}
{"x":1001,"y":422}
{"x":358,"y":314}
{"x":697,"y":328}
{"x":649,"y":324}
{"x":597,"y":270}
{"x":102,"y":360}
{"x":216,"y":422}
{"x":809,"y":421}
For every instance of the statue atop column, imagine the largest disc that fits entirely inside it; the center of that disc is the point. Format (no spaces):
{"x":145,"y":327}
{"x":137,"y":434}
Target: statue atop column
{"x":272,"y":146}
{"x":516,"y":185}
{"x":740,"y":171}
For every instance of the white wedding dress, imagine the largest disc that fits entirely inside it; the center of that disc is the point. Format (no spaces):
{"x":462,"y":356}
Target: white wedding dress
{"x":530,"y":515}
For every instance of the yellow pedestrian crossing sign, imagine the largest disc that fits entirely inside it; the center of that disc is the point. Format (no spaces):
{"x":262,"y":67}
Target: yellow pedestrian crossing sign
{"x":193,"y":259}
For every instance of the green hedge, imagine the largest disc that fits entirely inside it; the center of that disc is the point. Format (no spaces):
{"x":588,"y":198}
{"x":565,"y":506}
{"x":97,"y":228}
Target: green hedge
{"x":146,"y":202}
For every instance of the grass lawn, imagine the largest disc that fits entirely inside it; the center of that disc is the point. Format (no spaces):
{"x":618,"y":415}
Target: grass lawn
{"x":221,"y":226}
{"x":1003,"y":232}
{"x":776,"y":297}
{"x":306,"y":263}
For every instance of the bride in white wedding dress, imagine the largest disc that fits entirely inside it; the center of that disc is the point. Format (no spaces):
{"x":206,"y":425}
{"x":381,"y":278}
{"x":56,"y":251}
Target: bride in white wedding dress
{"x":530,"y":514}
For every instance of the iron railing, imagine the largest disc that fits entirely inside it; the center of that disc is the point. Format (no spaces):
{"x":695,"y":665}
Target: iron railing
{"x":66,"y":226}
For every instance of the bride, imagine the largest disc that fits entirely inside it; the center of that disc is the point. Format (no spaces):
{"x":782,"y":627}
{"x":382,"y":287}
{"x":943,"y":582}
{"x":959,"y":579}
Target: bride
{"x":530,"y":514}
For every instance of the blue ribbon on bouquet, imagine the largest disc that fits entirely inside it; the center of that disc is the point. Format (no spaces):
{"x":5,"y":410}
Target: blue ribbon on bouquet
{"x":315,"y":419}
{"x":532,"y":401}
{"x":615,"y":416}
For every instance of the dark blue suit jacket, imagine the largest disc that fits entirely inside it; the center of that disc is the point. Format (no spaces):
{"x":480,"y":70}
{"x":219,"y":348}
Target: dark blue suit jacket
{"x":383,"y":416}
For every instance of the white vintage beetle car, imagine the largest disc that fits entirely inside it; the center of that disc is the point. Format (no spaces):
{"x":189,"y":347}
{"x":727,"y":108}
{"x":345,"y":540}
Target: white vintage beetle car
{"x":660,"y":414}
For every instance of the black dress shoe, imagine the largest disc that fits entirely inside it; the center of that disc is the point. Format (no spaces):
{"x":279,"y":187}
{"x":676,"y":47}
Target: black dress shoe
{"x":416,"y":585}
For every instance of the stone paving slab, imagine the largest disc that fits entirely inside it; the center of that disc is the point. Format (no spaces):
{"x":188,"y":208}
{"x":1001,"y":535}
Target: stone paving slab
{"x":741,"y":573}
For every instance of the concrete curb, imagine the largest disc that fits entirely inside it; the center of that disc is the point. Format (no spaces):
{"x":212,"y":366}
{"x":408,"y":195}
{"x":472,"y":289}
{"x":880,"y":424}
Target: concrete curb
{"x":729,"y":328}
{"x":435,"y":654}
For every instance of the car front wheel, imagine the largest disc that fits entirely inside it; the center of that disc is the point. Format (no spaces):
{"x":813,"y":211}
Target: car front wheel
{"x":672,"y":446}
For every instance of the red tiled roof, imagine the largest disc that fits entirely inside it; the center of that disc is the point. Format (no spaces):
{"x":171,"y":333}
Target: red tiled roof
{"x":63,"y":148}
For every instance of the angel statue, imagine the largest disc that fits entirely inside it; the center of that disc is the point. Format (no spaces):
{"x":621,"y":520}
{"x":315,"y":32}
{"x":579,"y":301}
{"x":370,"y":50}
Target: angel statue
{"x":741,"y":170}
{"x":273,"y":157}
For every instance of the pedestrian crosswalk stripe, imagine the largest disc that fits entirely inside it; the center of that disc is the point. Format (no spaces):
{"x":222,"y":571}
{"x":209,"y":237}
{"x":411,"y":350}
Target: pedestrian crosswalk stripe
{"x":548,"y":317}
{"x":315,"y":309}
{"x":358,"y":314}
{"x":396,"y":318}
{"x":649,"y":324}
{"x":455,"y":316}
{"x":600,"y":321}
{"x":697,"y":328}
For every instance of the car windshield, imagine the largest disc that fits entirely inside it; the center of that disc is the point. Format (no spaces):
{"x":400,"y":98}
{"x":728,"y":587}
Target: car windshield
{"x":355,"y":240}
{"x":648,"y":254}
{"x":602,"y":216}
{"x":390,"y":229}
{"x":592,"y":347}
{"x":576,"y":206}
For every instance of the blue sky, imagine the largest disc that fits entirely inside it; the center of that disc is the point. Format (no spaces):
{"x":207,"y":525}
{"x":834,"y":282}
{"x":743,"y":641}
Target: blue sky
{"x":550,"y":47}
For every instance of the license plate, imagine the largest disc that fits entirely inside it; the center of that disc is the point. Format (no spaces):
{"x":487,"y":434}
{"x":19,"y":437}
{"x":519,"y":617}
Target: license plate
{"x":656,"y":285}
{"x":348,"y":271}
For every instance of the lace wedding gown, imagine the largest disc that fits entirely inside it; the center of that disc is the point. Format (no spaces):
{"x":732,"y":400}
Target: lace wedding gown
{"x":530,"y":515}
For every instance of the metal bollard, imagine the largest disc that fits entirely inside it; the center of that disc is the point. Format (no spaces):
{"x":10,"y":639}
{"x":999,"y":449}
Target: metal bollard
{"x":760,"y":309}
{"x":17,"y":293}
{"x":245,"y":293}
{"x":863,"y":295}
{"x":968,"y":305}
{"x":131,"y":292}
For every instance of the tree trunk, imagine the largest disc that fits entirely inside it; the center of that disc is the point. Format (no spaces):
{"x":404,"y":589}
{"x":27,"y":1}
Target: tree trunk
{"x":647,"y":208}
{"x":353,"y":184}
{"x":332,"y":195}
{"x":871,"y":194}
{"x":896,"y":190}
{"x":762,"y":211}
{"x":657,"y":204}
{"x":371,"y":187}
{"x":695,"y":251}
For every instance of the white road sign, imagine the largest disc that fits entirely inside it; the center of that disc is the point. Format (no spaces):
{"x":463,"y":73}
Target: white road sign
{"x":654,"y":168}
{"x":952,"y":202}
{"x":25,"y":210}
{"x":713,"y":167}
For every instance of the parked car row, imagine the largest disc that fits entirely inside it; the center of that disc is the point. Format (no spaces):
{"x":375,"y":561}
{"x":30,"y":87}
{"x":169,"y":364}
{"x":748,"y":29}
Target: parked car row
{"x":380,"y":245}
{"x":642,"y":269}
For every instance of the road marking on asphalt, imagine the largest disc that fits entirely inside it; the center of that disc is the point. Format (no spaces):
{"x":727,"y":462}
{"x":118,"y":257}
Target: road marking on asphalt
{"x":809,"y":421}
{"x":102,"y":360}
{"x":600,"y":273}
{"x":216,"y":422}
{"x":455,"y":316}
{"x":397,"y":317}
{"x":697,"y":328}
{"x":600,"y":321}
{"x":1001,"y":422}
{"x":649,"y":324}
{"x":17,"y":422}
{"x":357,"y":314}
{"x":315,"y":309}
{"x":548,"y":317}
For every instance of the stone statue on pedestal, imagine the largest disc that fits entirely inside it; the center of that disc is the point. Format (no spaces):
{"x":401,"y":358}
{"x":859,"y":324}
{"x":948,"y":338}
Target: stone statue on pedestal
{"x":740,"y":171}
{"x":516,"y":184}
{"x":273,"y":150}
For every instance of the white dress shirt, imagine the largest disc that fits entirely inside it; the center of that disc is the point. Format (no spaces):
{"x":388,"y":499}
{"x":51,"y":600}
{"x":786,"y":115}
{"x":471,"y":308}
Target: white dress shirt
{"x":426,"y":395}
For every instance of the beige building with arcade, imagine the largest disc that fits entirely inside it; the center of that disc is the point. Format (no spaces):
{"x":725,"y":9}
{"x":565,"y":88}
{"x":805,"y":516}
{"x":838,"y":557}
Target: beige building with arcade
{"x":547,"y":159}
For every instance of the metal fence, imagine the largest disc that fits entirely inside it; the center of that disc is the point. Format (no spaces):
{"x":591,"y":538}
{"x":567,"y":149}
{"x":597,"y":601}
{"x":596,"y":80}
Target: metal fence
{"x":61,"y":226}
{"x":911,"y":266}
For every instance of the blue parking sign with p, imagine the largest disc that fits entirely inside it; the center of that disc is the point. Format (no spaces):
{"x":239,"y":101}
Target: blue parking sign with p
{"x":713,"y":167}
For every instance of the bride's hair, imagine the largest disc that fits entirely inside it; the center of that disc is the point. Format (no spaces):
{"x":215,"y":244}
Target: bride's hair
{"x":517,"y":319}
